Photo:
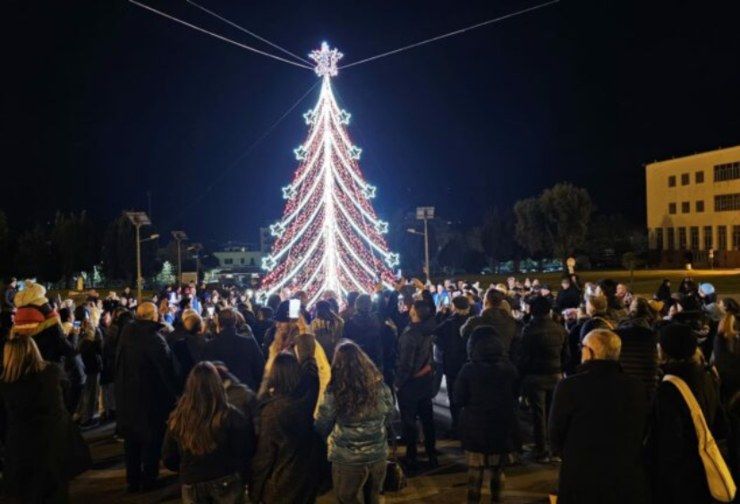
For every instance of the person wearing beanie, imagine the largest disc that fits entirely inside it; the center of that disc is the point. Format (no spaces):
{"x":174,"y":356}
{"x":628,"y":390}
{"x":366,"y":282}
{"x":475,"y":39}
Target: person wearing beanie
{"x":36,"y":318}
{"x":676,"y":471}
{"x":543,"y":355}
{"x":452,"y":346}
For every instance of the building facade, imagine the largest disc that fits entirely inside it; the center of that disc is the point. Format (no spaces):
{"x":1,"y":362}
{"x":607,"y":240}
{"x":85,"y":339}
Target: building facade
{"x":239,"y":264}
{"x":693,"y":209}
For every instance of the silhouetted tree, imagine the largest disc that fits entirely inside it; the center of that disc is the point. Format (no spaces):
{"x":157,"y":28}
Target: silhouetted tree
{"x":119,"y":252}
{"x":35,"y":256}
{"x":73,"y":237}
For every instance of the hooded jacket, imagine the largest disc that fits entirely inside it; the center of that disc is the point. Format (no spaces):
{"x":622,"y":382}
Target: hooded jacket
{"x":484,"y":389}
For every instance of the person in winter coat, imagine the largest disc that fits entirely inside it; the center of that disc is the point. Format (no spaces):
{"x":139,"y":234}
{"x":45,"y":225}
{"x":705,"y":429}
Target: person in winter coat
{"x":36,"y":318}
{"x":675,"y":468}
{"x":91,"y":352}
{"x":495,"y":316}
{"x":484,"y":390}
{"x":568,"y":296}
{"x":597,"y":308}
{"x":415,"y":382}
{"x":285,"y":467}
{"x":37,"y":425}
{"x":639,"y":355}
{"x":189,"y":350}
{"x":239,"y":395}
{"x":263,"y":323}
{"x":327,"y":327}
{"x":145,"y":387}
{"x":597,"y":423}
{"x":121,"y":318}
{"x":354,"y":415}
{"x":542,"y":357}
{"x":452,"y":348}
{"x":211,"y":440}
{"x":364,"y":328}
{"x":664,"y":293}
{"x":240,"y":353}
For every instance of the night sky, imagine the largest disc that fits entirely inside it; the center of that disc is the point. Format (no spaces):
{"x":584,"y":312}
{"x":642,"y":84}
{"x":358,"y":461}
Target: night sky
{"x":103,"y":101}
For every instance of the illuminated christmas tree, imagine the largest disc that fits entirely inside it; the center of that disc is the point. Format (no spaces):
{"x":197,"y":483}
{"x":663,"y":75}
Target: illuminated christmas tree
{"x":329,"y":237}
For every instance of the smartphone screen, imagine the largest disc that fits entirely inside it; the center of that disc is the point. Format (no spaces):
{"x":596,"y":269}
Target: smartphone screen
{"x":294,"y":309}
{"x":211,"y":310}
{"x":76,"y":324}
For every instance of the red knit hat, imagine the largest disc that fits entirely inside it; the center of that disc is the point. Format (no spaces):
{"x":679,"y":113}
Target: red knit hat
{"x":27,"y":318}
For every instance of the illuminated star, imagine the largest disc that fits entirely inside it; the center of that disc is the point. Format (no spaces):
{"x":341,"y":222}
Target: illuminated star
{"x":268,"y":263}
{"x":354,"y":152}
{"x":344,"y":117}
{"x":369,"y":191}
{"x":277,"y":229}
{"x":289,"y":192}
{"x":392,"y":259}
{"x":381,"y":227}
{"x":310,"y":116}
{"x":326,"y":60}
{"x":300,"y":153}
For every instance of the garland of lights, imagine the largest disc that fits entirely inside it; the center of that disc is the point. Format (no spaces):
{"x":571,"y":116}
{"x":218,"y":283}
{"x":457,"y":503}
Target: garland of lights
{"x":329,"y":237}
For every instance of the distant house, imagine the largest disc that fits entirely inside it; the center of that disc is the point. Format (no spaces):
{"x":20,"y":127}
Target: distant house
{"x":238,"y":263}
{"x":693,"y":209}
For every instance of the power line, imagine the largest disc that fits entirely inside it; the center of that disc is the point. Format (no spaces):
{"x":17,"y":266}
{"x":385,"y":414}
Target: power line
{"x":231,"y":23}
{"x":456,"y":32}
{"x":220,"y":37}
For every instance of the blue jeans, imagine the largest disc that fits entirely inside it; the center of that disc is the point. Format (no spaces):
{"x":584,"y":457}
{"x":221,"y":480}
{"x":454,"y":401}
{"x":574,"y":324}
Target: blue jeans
{"x":226,"y":490}
{"x":358,"y":484}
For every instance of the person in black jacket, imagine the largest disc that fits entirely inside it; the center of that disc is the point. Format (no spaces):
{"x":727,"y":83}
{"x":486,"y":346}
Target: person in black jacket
{"x":208,"y":441}
{"x":286,"y":464}
{"x":121,"y":317}
{"x":484,"y":389}
{"x":240,"y":353}
{"x":188,"y":351}
{"x":145,"y":387}
{"x":453,"y":350}
{"x":91,"y":352}
{"x":568,"y":296}
{"x":542,"y":356}
{"x":495,"y":316}
{"x":364,"y":328}
{"x":415,"y":382}
{"x":38,"y":425}
{"x":675,"y":468}
{"x":597,"y":423}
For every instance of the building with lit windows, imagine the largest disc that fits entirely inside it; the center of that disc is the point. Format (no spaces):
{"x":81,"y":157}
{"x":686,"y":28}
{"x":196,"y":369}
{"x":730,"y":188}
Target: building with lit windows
{"x":693,"y":209}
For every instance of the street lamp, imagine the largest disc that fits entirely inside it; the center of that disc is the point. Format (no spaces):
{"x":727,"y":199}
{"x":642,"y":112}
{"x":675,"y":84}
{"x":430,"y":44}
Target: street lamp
{"x":139,"y":219}
{"x":179,"y":236}
{"x":424,"y":214}
{"x":196,"y":247}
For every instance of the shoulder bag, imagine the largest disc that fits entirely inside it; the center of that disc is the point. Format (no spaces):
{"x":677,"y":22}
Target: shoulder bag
{"x":721,"y":485}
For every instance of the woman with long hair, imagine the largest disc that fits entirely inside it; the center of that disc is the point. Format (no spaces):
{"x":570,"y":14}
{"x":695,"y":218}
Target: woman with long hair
{"x":286,"y":463}
{"x":211,"y":439}
{"x":327,"y":327}
{"x":37,"y":425}
{"x":354,"y":415}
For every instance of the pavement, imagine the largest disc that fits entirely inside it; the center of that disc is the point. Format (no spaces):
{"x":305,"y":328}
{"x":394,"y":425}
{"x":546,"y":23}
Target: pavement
{"x":526,"y":483}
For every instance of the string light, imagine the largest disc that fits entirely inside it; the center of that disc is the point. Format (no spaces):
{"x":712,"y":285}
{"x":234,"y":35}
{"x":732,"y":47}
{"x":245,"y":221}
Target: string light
{"x":329,"y":237}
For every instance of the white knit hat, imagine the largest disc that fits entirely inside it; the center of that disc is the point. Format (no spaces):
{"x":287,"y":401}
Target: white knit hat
{"x":32,"y":294}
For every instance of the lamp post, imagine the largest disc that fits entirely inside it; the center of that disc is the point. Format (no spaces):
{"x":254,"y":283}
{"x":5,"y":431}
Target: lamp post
{"x":424,"y":214}
{"x":179,"y":236}
{"x":196,"y":247}
{"x":139,"y":219}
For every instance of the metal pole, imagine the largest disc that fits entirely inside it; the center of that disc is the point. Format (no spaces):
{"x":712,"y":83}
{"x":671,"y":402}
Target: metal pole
{"x":426,"y":249}
{"x":138,"y":265}
{"x":179,"y":263}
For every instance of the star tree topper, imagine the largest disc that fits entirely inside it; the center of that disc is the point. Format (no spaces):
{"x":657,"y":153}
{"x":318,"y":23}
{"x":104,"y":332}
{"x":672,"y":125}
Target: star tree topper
{"x":326,"y":60}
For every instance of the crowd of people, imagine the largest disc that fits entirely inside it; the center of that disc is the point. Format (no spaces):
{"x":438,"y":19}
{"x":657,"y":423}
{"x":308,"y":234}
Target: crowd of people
{"x":277,"y":401}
